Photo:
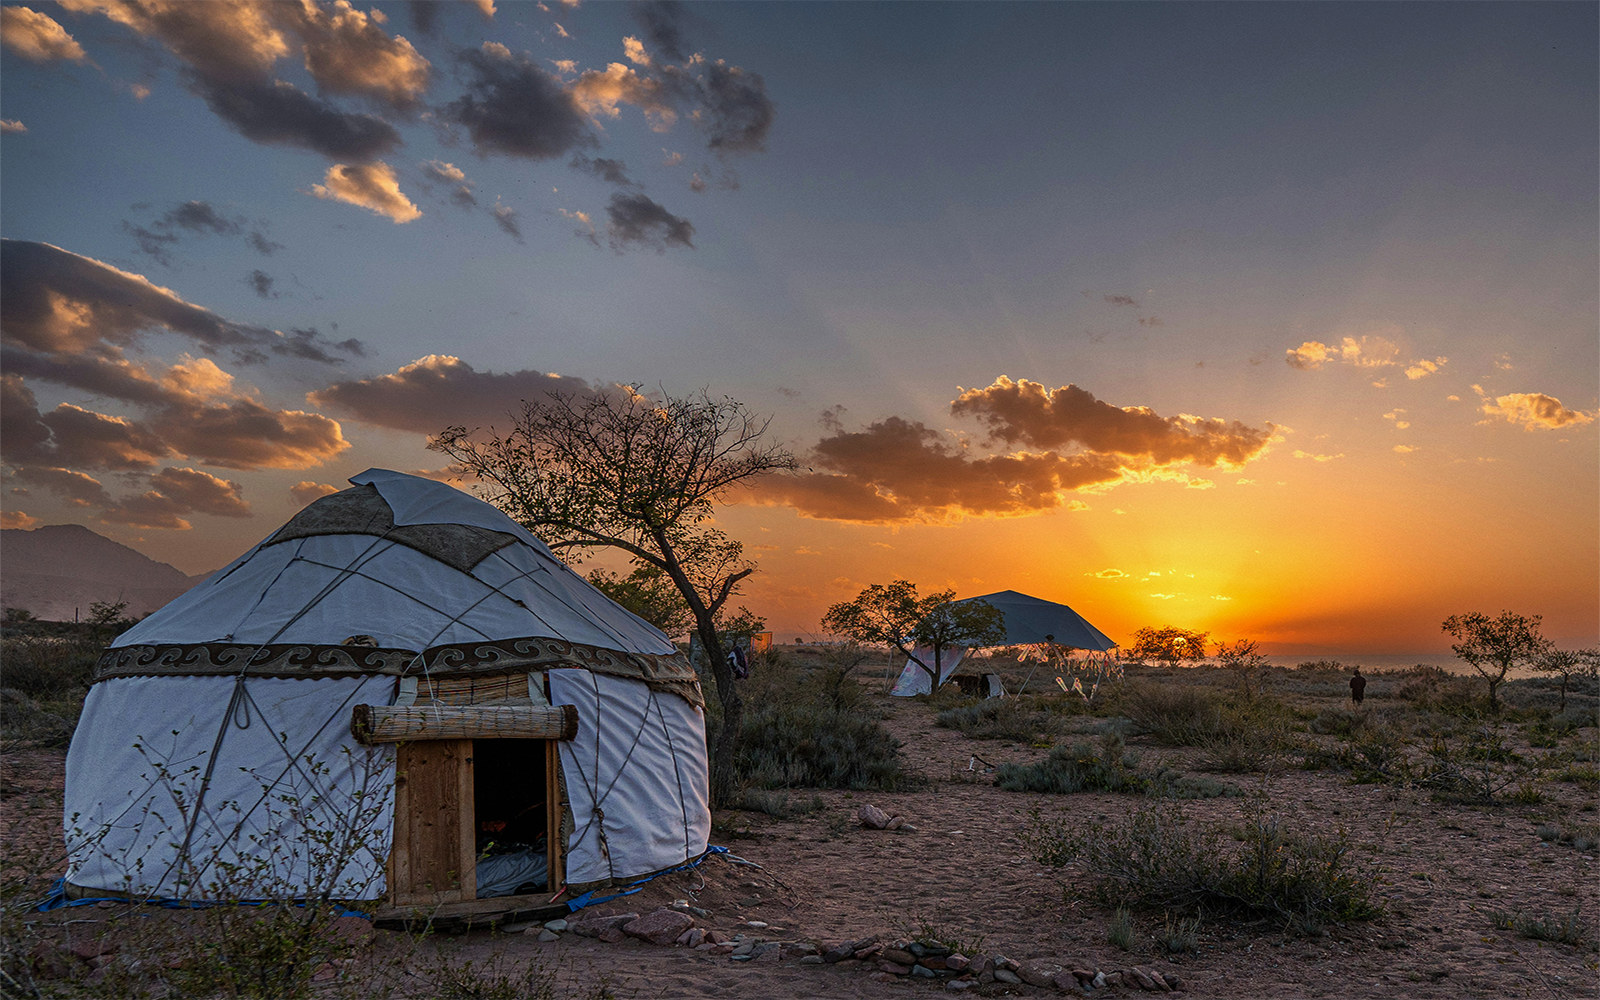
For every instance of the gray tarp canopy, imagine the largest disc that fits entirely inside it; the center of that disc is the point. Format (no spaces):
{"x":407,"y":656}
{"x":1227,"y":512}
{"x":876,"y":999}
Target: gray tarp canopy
{"x":1029,"y":620}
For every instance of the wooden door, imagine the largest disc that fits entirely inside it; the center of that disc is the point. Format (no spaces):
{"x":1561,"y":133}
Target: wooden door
{"x":434,"y":859}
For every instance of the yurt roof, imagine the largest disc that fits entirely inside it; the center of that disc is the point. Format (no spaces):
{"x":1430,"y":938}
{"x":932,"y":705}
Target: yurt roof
{"x":403,"y":575}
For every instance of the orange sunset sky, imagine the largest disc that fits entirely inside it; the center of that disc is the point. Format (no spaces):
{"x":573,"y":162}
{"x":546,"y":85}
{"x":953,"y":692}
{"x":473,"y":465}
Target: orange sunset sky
{"x":1275,"y":321}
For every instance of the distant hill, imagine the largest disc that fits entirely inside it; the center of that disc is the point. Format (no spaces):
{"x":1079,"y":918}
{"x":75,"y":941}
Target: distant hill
{"x":59,"y":568}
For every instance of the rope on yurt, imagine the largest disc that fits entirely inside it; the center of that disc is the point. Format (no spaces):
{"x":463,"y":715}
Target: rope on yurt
{"x":523,"y":574}
{"x":216,"y":748}
{"x":598,"y":798}
{"x":677,"y":774}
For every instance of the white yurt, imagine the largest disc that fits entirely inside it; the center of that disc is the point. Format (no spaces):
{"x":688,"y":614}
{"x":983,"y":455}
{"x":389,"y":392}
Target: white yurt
{"x":400,"y":695}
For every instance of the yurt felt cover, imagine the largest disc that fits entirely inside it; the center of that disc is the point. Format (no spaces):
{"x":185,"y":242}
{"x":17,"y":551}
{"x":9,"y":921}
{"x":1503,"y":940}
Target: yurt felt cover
{"x":209,"y":712}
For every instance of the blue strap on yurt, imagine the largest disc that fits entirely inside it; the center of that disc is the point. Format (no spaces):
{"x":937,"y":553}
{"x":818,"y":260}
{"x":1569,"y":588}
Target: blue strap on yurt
{"x":588,"y":898}
{"x":56,"y":898}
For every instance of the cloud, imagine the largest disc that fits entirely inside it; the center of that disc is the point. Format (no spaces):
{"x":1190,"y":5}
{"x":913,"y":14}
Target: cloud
{"x":610,"y":171}
{"x":900,"y":470}
{"x":438,"y":390}
{"x":1028,"y":413}
{"x":598,"y":92}
{"x":262,"y":282}
{"x":514,"y":108}
{"x":1394,"y":415}
{"x":17,"y":520}
{"x":1422,"y":368}
{"x":506,"y":218}
{"x":661,"y":22}
{"x":1364,"y":352}
{"x":587,"y":225}
{"x":228,"y":51}
{"x":172,"y":492}
{"x":278,"y":113}
{"x":635,"y":219}
{"x":741,"y":114}
{"x":1317,"y":458}
{"x":1403,"y":449}
{"x":449,"y":173}
{"x":1120,"y":300}
{"x":305,"y":491}
{"x":1108,"y":574}
{"x":1533,"y":411}
{"x":57,"y":302}
{"x":347,"y":52}
{"x":197,"y":217}
{"x":37,"y":36}
{"x":372,"y":186}
{"x":11,"y":124}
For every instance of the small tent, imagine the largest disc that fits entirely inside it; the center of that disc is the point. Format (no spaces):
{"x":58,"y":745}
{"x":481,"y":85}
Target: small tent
{"x":398,"y":682}
{"x":1028,"y":621}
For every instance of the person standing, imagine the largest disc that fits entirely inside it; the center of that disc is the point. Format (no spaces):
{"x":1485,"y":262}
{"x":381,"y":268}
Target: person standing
{"x":1358,"y":687}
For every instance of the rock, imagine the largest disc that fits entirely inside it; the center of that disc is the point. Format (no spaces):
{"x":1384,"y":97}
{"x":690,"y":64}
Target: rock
{"x":956,"y":962}
{"x":1139,"y":977}
{"x":704,"y":946}
{"x":771,"y":951}
{"x":908,"y":828}
{"x":899,"y":957}
{"x":883,"y":977}
{"x":924,"y":972}
{"x":722,"y":949}
{"x":739,"y":958}
{"x":894,"y":968}
{"x":1002,"y":962}
{"x":696,"y":936}
{"x":933,"y":962}
{"x":612,"y":935}
{"x":1064,"y":980}
{"x":1007,"y":976}
{"x":1084,"y":975}
{"x":810,"y":959}
{"x":1173,"y":980}
{"x":1099,"y":980}
{"x":592,"y":926}
{"x":89,"y":949}
{"x":1160,"y":981}
{"x":716,"y":936}
{"x":959,"y":984}
{"x":1113,"y":978}
{"x":745,"y":947}
{"x":558,"y":925}
{"x":872,"y":817}
{"x":1039,"y":973}
{"x":755,"y":925}
{"x":896,"y":823}
{"x":800,"y":948}
{"x":662,"y":927}
{"x":839,"y":952}
{"x":986,"y":977}
{"x":869,"y":951}
{"x":548,"y":935}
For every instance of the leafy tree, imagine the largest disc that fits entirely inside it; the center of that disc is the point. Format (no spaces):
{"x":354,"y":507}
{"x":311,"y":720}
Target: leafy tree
{"x":622,"y":470}
{"x":109,"y":614}
{"x":18,"y":616}
{"x":1493,"y":646}
{"x":649,"y":593}
{"x":1169,"y":645}
{"x":895,"y":616}
{"x":1583,"y":664}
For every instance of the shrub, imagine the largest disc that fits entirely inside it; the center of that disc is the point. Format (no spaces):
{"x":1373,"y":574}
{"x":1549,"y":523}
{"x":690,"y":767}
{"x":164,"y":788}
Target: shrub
{"x":1437,"y":689}
{"x":1120,"y":931}
{"x":1026,"y":720}
{"x":1569,"y":929}
{"x":1178,"y":935}
{"x":1155,"y":859}
{"x":1341,"y":722}
{"x":802,"y":745}
{"x":1081,"y":768}
{"x":1182,"y":716}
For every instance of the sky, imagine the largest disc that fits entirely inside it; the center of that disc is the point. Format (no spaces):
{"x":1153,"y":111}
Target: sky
{"x":1277,"y":321}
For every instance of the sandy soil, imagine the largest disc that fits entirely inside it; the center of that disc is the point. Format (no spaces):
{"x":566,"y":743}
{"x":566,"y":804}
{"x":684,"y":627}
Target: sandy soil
{"x":965,"y":874}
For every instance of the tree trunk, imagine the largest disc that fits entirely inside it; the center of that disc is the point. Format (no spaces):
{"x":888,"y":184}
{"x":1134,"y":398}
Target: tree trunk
{"x":726,"y":749}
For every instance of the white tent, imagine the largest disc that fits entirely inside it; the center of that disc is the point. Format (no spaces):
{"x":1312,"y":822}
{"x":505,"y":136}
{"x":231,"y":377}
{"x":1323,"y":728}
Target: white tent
{"x":215,"y":750}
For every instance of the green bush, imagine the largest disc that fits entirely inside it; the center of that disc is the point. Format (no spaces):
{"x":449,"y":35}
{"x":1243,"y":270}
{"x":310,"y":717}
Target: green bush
{"x":804,"y":745}
{"x":1026,"y":720}
{"x":1112,"y":768}
{"x":1441,"y":691}
{"x":1569,"y":929}
{"x":1157,"y":860}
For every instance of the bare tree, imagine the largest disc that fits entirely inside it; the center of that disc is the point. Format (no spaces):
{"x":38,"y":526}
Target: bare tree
{"x":619,"y":469}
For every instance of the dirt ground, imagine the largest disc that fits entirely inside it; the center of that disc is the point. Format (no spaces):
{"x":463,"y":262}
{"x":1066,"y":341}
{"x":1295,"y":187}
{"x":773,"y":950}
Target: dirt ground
{"x":963,"y":874}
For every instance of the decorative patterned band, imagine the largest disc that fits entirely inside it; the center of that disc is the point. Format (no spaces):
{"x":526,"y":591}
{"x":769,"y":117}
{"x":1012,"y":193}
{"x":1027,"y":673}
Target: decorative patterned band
{"x":665,"y":672}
